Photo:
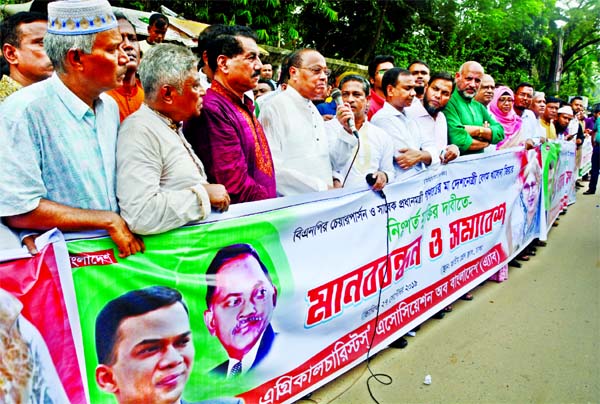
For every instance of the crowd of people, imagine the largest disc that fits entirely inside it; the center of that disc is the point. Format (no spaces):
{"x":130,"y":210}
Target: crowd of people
{"x":103,"y":131}
{"x":196,"y":132}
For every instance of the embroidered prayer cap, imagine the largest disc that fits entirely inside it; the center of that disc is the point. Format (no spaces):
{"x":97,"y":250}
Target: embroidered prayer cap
{"x":80,"y":17}
{"x":566,"y":110}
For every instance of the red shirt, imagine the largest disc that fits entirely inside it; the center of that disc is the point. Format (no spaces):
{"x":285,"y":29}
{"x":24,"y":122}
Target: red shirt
{"x":375,"y":104}
{"x":128,"y":102}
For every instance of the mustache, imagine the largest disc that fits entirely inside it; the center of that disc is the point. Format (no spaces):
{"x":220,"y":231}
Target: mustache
{"x":243,"y":322}
{"x":256,"y":73}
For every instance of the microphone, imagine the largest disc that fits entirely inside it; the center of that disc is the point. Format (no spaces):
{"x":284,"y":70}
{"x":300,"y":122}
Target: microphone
{"x":371,"y":181}
{"x":337,"y":97}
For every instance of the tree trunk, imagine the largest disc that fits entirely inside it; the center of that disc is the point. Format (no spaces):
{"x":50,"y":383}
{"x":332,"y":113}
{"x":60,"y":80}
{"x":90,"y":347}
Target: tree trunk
{"x":558,"y":64}
{"x":371,"y":48}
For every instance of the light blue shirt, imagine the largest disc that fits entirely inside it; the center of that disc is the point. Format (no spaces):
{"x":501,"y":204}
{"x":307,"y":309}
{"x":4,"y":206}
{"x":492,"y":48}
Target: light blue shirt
{"x":53,"y":146}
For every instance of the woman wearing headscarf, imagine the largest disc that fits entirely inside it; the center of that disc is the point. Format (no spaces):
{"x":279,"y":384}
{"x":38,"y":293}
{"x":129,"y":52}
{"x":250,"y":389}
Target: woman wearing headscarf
{"x":501,"y":108}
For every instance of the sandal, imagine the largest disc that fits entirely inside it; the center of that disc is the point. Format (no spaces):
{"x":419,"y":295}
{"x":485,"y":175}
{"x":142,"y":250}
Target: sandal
{"x":467,"y":296}
{"x":447,"y":309}
{"x":515,"y":263}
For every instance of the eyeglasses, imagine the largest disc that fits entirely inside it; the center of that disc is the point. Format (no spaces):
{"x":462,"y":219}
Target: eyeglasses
{"x":317,"y":70}
{"x":505,"y":100}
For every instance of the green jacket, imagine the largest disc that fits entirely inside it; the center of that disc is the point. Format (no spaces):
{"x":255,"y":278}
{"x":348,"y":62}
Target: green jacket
{"x":460,"y":112}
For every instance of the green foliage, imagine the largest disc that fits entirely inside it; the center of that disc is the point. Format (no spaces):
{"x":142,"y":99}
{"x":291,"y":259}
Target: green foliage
{"x":513,"y":40}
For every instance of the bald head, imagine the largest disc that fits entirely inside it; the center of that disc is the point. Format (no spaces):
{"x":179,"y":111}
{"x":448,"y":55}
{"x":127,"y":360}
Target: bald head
{"x":468,"y":79}
{"x":308,"y":73}
{"x":471,"y":66}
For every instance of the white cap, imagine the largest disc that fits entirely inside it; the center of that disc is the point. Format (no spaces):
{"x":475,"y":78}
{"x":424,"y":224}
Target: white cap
{"x":565,"y":110}
{"x":80,"y":17}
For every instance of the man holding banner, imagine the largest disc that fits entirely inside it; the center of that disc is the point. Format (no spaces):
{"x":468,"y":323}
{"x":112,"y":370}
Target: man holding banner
{"x":161,"y":183}
{"x":470,"y":125}
{"x":412,"y":150}
{"x":59,"y":135}
{"x":227,"y":136}
{"x":430,"y":117}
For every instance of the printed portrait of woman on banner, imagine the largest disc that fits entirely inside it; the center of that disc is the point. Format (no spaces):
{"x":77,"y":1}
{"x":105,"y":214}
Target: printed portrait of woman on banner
{"x":524,"y":221}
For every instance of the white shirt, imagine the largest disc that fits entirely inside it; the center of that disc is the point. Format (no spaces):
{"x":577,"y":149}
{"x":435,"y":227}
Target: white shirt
{"x":247,"y":360}
{"x":159,"y":178}
{"x":203,"y":79}
{"x":8,"y":238}
{"x":376,"y":153}
{"x":262,"y":101}
{"x":573,"y":128}
{"x":530,"y":127}
{"x":299,"y":145}
{"x":436,"y":129}
{"x":144,"y":46}
{"x":405,"y":134}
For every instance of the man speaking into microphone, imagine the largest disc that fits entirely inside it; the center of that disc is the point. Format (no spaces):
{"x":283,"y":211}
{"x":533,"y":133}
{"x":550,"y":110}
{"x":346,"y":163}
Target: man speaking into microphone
{"x":370,"y":151}
{"x":295,"y":129}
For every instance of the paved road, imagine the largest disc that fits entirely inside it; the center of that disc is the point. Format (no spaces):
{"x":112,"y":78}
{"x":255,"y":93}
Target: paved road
{"x":532,"y":339}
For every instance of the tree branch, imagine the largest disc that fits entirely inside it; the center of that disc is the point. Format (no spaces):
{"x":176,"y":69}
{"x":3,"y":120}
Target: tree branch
{"x":573,"y":60}
{"x":371,"y":47}
{"x":579,"y":45}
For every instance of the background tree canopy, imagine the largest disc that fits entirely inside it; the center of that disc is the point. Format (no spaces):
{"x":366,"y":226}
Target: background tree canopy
{"x":553,"y":44}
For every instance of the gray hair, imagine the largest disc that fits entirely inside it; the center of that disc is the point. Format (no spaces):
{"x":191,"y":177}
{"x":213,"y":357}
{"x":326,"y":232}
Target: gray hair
{"x":539,"y":94}
{"x":165,"y":64}
{"x":57,"y":47}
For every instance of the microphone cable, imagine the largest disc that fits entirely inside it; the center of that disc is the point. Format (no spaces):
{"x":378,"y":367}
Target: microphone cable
{"x":381,"y":378}
{"x":353,"y":159}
